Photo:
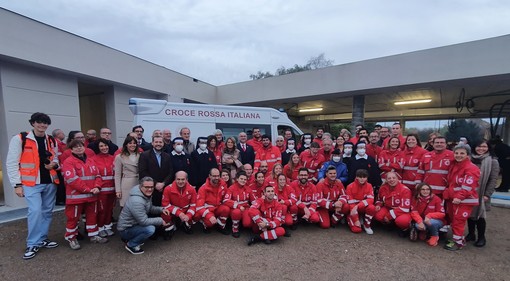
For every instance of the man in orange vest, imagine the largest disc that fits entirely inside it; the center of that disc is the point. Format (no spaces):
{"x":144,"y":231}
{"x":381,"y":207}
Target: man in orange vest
{"x":31,"y":163}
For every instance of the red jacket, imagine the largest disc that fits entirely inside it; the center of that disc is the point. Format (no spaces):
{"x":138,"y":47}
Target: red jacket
{"x":239,"y":196}
{"x":211,"y":196}
{"x":463,"y":183}
{"x":358,"y":194}
{"x":104,"y":164}
{"x":256,"y":144}
{"x":402,"y":142}
{"x":398,"y":199}
{"x":390,"y":161}
{"x":326,"y":155}
{"x":293,"y":174}
{"x":68,"y":152}
{"x":177,"y":201}
{"x":412,"y":157}
{"x":287,"y":194}
{"x":433,"y":170}
{"x":80,"y":177}
{"x":329,"y":193}
{"x":306,"y":195}
{"x":430,"y":207}
{"x":270,"y":212}
{"x":373,"y":150}
{"x":312,"y":162}
{"x":270,"y":154}
{"x":257,"y":189}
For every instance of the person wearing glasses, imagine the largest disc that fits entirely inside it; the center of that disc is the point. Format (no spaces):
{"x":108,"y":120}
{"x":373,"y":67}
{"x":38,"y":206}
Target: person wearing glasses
{"x":427,"y":212}
{"x":135,"y":226}
{"x":105,"y":134}
{"x":142,"y":143}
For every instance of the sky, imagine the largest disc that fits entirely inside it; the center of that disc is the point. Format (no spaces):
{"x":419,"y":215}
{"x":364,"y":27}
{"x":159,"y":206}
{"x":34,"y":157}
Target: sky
{"x":222,"y":42}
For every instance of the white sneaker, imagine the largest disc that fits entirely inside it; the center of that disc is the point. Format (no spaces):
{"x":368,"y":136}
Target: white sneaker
{"x":98,"y":239}
{"x":74,"y":244}
{"x":368,"y":230}
{"x":102,"y":233}
{"x":109,"y":232}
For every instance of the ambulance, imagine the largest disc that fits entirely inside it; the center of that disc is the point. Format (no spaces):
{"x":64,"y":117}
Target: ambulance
{"x":204,"y":119}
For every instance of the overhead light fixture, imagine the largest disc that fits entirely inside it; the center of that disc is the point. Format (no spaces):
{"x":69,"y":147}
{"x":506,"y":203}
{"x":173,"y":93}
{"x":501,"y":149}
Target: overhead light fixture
{"x":311,"y":109}
{"x":412,"y":101}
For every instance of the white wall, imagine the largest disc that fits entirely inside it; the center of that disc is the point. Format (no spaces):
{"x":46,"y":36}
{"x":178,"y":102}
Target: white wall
{"x":25,"y":90}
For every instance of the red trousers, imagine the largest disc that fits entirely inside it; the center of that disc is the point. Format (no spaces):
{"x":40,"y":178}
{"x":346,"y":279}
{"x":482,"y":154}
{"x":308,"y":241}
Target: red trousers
{"x":314,"y":216}
{"x":327,"y":217}
{"x":73,"y":214}
{"x":458,"y":214}
{"x":289,"y":214}
{"x":105,"y":210}
{"x":237,"y":216}
{"x":368,"y":211}
{"x":402,"y":221}
{"x":221,"y":213}
{"x":272,"y":234}
{"x":172,"y":218}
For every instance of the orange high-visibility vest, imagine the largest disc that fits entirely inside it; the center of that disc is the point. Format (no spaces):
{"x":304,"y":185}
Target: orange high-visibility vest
{"x":29,"y":161}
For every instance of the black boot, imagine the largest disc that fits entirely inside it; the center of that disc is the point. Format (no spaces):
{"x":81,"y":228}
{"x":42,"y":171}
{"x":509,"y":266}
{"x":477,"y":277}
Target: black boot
{"x":480,"y":227}
{"x":471,"y":228}
{"x":254,"y":238}
{"x":287,"y":232}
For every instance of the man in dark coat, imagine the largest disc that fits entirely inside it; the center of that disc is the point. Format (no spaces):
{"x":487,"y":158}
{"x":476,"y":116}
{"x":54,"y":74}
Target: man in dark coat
{"x":202,"y":161}
{"x":245,"y":150}
{"x":156,"y":164}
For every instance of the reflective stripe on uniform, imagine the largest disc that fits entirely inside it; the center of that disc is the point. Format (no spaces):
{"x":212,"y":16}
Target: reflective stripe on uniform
{"x":79,"y":196}
{"x":410,"y":168}
{"x":436,"y":171}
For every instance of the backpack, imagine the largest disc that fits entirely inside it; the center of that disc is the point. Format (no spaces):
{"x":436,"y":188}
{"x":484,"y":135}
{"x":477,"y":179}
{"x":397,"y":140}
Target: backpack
{"x":23,"y":135}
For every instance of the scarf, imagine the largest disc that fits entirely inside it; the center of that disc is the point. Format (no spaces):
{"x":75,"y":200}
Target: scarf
{"x":485,"y":162}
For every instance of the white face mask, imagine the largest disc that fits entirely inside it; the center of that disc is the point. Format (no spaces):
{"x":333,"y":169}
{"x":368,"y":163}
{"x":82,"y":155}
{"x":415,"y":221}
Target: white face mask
{"x":179,"y":148}
{"x":290,"y":147}
{"x":336,"y":159}
{"x":203,"y":146}
{"x":348,"y":151}
{"x":361,"y":151}
{"x":308,"y":141}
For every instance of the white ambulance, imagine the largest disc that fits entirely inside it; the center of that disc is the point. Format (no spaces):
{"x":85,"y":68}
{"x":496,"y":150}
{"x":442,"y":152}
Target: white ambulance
{"x":204,"y":119}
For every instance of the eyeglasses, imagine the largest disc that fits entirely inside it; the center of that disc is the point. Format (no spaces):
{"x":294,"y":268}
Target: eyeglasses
{"x":279,"y":141}
{"x":138,"y":131}
{"x":106,"y":133}
{"x":148,"y":187}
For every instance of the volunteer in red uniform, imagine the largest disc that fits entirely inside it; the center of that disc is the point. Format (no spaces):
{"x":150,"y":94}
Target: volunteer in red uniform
{"x":434,"y":167}
{"x":248,"y":169}
{"x":326,"y":149}
{"x":396,"y":131}
{"x":180,"y":199}
{"x":269,"y":153}
{"x":306,"y":196}
{"x":412,"y":154}
{"x":332,"y":200}
{"x":373,"y":148}
{"x":256,"y":140}
{"x":266,"y":213}
{"x":107,"y":198}
{"x":360,"y":197}
{"x":280,"y":144}
{"x":461,"y":195}
{"x":257,"y":187}
{"x":393,"y":203}
{"x":318,"y":137}
{"x":427,"y":212}
{"x":312,"y":160}
{"x":285,"y":195}
{"x":291,"y":169}
{"x":272,"y":178}
{"x":83,"y":184}
{"x":239,"y":198}
{"x":391,"y":159}
{"x":70,"y":137}
{"x":210,"y":210}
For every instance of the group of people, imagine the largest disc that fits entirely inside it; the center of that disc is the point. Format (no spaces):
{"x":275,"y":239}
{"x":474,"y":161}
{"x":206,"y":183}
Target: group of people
{"x":236,"y":183}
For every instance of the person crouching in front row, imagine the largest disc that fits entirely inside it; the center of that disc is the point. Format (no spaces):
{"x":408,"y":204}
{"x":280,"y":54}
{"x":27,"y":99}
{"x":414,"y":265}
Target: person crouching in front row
{"x":267,"y":215}
{"x":135,"y":226}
